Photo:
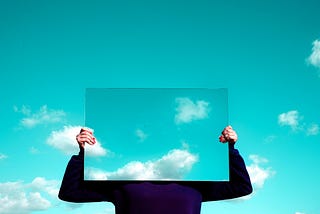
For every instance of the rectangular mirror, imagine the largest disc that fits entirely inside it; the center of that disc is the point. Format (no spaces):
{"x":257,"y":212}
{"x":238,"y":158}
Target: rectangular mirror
{"x":156,"y":134}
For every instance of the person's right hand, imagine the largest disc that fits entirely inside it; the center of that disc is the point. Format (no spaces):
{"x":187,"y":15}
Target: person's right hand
{"x":228,"y":135}
{"x":85,"y":136}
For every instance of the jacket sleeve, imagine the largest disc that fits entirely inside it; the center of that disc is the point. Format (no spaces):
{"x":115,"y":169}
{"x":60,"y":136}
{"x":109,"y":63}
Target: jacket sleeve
{"x":75,"y":189}
{"x":239,"y":183}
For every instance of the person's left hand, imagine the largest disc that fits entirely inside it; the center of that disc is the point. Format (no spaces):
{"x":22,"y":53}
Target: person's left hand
{"x":228,"y":135}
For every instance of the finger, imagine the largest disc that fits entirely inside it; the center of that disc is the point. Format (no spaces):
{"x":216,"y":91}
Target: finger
{"x":233,"y":138}
{"x":86,"y":133}
{"x":224,"y":132}
{"x":88,"y":140}
{"x":86,"y":130}
{"x":233,"y":135}
{"x":222,"y":139}
{"x":78,"y":138}
{"x":85,"y":139}
{"x":81,"y":138}
{"x":230,"y":133}
{"x":228,"y":128}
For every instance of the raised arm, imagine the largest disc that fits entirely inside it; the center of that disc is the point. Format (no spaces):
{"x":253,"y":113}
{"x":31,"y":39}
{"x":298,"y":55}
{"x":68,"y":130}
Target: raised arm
{"x":239,"y":183}
{"x":73,"y":187}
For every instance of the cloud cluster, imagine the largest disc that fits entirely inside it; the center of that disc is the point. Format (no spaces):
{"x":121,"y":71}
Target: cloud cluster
{"x":43,"y":116}
{"x":174,"y":165}
{"x":314,"y":58}
{"x":293,"y":119}
{"x":21,"y":198}
{"x":65,"y":141}
{"x":188,"y":111}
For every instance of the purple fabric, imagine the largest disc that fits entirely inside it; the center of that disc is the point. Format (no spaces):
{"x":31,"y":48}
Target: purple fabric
{"x":154,"y":197}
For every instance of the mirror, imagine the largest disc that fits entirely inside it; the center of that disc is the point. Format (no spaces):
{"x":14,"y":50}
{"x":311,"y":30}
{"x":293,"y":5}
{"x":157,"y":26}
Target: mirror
{"x":156,"y":134}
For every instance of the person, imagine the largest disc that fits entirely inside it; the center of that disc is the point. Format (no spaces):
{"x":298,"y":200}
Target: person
{"x":150,"y":197}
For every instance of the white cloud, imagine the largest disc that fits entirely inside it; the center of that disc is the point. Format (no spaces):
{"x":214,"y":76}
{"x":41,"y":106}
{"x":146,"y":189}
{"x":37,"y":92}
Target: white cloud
{"x":3,"y":156}
{"x":314,"y":58}
{"x":258,"y":174}
{"x":21,"y":198}
{"x":44,"y":185}
{"x":290,"y":118}
{"x":43,"y":116}
{"x":141,"y":135}
{"x":187,"y":110}
{"x":174,"y":165}
{"x":299,"y":213}
{"x":65,"y":141}
{"x":313,"y":129}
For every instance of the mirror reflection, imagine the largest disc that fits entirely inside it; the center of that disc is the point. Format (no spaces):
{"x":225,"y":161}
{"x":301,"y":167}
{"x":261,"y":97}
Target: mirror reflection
{"x":156,"y":134}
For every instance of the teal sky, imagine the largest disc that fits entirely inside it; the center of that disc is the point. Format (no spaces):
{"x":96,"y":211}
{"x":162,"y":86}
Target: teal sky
{"x":267,"y":53}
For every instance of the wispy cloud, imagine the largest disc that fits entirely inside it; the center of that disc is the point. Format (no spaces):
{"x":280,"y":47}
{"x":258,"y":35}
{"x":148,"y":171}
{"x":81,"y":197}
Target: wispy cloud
{"x":270,"y":138}
{"x":314,"y":58}
{"x":43,"y":116}
{"x":23,"y":198}
{"x":313,"y":129}
{"x":34,"y":150}
{"x":290,"y":118}
{"x":258,"y":173}
{"x":142,"y":136}
{"x":188,"y":110}
{"x":174,"y":165}
{"x":3,"y":156}
{"x":65,"y":141}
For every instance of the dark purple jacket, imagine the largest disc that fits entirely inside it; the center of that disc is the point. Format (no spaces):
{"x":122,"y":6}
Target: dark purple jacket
{"x":148,"y":197}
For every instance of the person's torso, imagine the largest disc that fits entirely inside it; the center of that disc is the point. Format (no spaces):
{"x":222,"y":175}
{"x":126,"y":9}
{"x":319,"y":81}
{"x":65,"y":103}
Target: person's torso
{"x":148,"y":198}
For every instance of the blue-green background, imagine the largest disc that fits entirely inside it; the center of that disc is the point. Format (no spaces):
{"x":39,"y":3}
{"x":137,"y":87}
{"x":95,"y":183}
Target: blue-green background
{"x":50,"y":51}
